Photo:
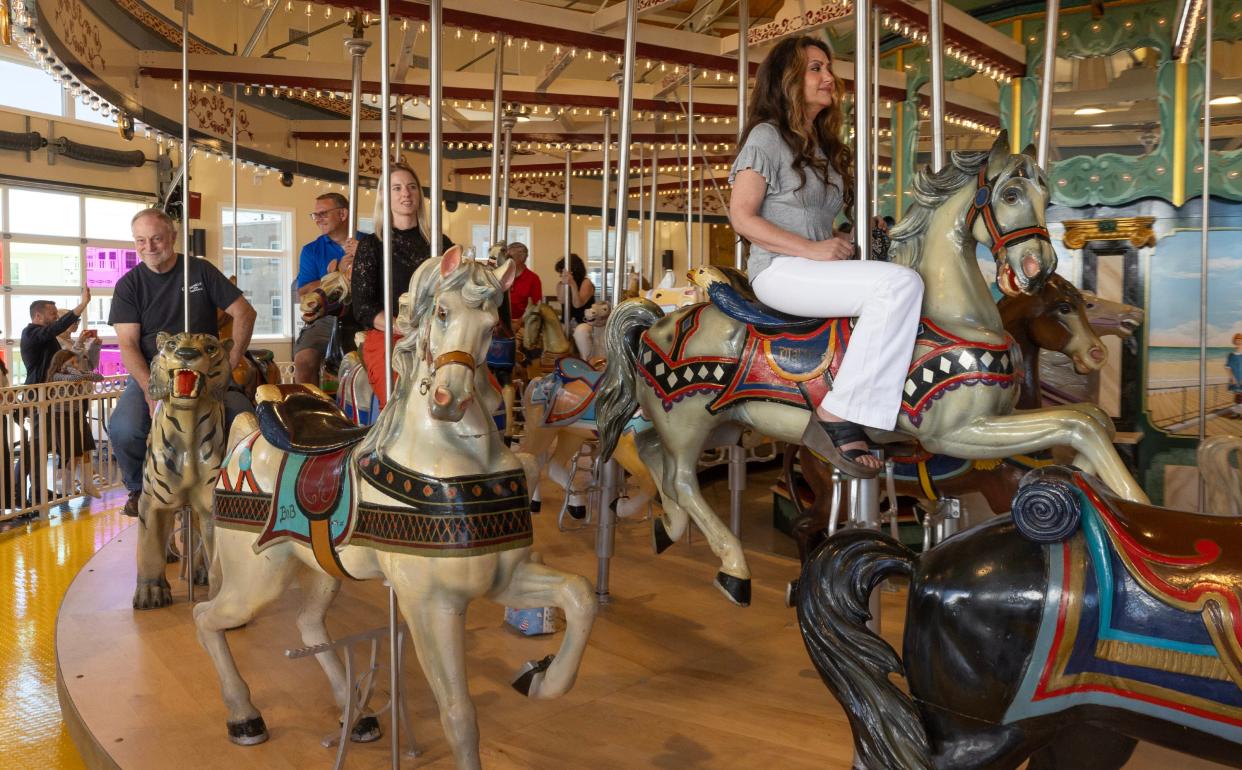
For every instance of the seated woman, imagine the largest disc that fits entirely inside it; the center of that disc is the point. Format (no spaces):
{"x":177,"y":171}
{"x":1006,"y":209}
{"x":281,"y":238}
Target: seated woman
{"x":581,"y":296}
{"x":791,"y":178}
{"x":410,"y":248}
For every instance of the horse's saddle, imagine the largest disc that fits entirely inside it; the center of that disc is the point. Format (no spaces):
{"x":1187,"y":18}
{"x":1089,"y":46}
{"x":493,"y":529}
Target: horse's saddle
{"x":737,"y":300}
{"x":261,"y":356}
{"x":502,"y":353}
{"x":302,"y":419}
{"x":569,"y":391}
{"x":1188,"y":561}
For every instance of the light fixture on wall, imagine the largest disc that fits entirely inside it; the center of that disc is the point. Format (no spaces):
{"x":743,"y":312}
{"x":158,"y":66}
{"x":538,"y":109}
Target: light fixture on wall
{"x":1225,"y":101}
{"x":1088,"y":111}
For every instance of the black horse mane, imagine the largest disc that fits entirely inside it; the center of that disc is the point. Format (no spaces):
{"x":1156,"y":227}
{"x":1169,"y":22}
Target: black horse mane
{"x":853,"y":662}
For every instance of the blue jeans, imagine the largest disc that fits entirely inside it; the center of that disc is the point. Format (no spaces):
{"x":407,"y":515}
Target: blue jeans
{"x":131,"y":423}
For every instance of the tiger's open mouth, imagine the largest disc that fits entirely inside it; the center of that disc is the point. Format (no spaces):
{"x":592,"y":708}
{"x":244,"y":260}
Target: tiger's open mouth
{"x":186,"y":383}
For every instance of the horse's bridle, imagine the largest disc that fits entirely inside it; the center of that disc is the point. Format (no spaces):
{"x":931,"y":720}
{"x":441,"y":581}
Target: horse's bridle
{"x":1001,"y":239}
{"x":449,"y":358}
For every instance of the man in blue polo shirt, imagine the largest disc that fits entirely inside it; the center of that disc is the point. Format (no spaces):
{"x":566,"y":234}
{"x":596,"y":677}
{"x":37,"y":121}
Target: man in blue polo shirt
{"x":330,"y":251}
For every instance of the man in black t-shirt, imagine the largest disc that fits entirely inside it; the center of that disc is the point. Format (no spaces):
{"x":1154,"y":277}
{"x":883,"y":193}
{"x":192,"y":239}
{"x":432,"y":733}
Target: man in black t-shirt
{"x":39,"y":341}
{"x":147,"y":300}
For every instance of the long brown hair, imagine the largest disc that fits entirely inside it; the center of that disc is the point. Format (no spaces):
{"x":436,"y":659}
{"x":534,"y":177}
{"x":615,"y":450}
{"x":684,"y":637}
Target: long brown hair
{"x":780,"y":99}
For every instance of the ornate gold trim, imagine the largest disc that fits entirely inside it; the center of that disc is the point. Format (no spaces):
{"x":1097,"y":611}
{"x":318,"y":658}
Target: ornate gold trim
{"x":1136,"y":230}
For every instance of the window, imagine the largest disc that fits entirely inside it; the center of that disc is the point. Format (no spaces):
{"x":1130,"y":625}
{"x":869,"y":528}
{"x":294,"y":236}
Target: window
{"x":44,"y":213}
{"x":264,"y":264}
{"x":481,"y":242}
{"x":596,"y":255}
{"x":62,"y":239}
{"x":29,"y":89}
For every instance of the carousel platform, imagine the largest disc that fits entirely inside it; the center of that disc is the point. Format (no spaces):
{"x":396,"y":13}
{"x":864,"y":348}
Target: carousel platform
{"x":675,"y":677}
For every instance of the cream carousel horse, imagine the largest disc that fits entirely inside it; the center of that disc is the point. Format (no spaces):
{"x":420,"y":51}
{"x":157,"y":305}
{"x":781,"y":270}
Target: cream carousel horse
{"x":429,"y":499}
{"x":702,"y":370}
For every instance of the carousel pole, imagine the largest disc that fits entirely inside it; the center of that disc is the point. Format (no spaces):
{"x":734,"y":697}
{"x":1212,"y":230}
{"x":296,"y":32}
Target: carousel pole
{"x":703,"y":257}
{"x":603,"y":267}
{"x":689,"y":166}
{"x":743,"y":75}
{"x":508,"y":121}
{"x":612,"y":474}
{"x":398,"y":120}
{"x":638,"y":260}
{"x":864,"y":493}
{"x":498,"y":95}
{"x":655,"y":198}
{"x":875,"y":113}
{"x":1205,"y":199}
{"x":569,"y":210}
{"x":357,"y":48}
{"x":187,"y":514}
{"x":436,"y":144}
{"x":935,"y":49}
{"x":1045,"y":88}
{"x":383,"y":227}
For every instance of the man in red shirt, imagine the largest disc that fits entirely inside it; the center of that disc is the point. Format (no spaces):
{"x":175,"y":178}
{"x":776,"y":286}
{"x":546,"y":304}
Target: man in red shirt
{"x":527,"y":288}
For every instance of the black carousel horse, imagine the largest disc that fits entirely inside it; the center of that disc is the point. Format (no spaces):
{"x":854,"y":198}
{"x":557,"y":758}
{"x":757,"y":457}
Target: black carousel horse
{"x":1064,"y":634}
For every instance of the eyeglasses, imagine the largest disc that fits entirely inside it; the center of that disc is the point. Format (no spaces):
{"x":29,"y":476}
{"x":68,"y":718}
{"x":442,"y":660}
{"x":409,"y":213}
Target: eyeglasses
{"x":318,"y":215}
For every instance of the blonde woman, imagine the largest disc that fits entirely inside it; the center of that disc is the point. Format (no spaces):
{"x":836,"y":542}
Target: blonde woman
{"x":410,"y":248}
{"x":791,"y":179}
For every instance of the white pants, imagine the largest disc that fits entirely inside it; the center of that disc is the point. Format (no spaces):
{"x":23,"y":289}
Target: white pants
{"x":584,"y":338}
{"x":886,"y":299}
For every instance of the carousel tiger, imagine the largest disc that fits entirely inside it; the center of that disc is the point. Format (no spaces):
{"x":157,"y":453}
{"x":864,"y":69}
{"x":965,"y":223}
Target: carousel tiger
{"x":189,"y":377}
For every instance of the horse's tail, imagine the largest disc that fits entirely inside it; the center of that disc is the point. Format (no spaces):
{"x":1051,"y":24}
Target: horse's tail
{"x":618,"y":392}
{"x":855,"y":663}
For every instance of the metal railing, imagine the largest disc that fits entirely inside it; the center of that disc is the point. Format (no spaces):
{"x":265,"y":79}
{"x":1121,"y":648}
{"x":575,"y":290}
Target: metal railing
{"x":55,"y":443}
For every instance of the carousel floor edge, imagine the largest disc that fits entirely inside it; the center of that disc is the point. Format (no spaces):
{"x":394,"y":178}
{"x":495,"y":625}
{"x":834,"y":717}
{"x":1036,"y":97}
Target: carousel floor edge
{"x":674,"y":677}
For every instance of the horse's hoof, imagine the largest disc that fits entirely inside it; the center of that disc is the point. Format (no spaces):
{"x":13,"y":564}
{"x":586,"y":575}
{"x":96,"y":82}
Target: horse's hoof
{"x":577,"y":511}
{"x":735,"y":588}
{"x":201,"y":577}
{"x":526,"y":675}
{"x":172,"y":557}
{"x":248,"y":733}
{"x":791,"y":593}
{"x":152,"y":596}
{"x":536,"y":506}
{"x":660,"y":541}
{"x":366,"y":730}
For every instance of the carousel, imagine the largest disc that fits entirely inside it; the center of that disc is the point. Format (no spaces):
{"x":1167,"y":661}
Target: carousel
{"x":552,"y":378}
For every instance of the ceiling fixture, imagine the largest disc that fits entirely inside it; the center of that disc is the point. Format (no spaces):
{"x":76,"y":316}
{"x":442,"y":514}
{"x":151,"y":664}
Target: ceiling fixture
{"x":1225,"y":101}
{"x":1088,"y":111}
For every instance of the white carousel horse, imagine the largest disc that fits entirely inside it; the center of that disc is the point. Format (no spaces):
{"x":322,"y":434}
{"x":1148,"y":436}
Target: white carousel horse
{"x":700,"y":369}
{"x":430,"y":499}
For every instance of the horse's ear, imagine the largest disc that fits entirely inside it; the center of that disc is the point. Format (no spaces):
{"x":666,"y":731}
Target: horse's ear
{"x":999,"y":154}
{"x":505,"y":274}
{"x":450,"y":261}
{"x":1029,"y":151}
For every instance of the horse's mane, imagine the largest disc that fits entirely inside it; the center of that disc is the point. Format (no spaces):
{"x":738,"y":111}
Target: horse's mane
{"x":477,"y":284}
{"x":931,"y":189}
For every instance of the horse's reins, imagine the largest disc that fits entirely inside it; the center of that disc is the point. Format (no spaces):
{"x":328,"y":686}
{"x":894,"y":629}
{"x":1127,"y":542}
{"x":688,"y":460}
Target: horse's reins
{"x":1001,"y":239}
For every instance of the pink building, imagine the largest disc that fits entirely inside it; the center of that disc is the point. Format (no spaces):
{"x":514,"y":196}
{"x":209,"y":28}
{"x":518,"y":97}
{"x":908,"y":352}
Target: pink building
{"x":104,"y":266}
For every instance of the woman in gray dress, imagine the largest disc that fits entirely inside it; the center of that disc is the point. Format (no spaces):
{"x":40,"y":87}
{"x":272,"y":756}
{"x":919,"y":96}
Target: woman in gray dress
{"x":792,"y":177}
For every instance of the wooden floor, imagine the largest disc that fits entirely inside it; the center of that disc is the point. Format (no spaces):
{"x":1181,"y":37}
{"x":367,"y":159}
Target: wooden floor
{"x":675,"y":677}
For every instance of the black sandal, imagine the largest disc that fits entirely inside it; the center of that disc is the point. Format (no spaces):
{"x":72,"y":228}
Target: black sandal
{"x":825,"y":440}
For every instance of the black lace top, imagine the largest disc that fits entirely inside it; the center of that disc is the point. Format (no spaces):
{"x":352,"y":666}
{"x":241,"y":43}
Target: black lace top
{"x":409,"y":250}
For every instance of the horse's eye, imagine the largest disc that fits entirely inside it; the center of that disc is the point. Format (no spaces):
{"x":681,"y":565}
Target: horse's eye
{"x":1064,"y":308}
{"x":441,"y":313}
{"x":1010,"y":196}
